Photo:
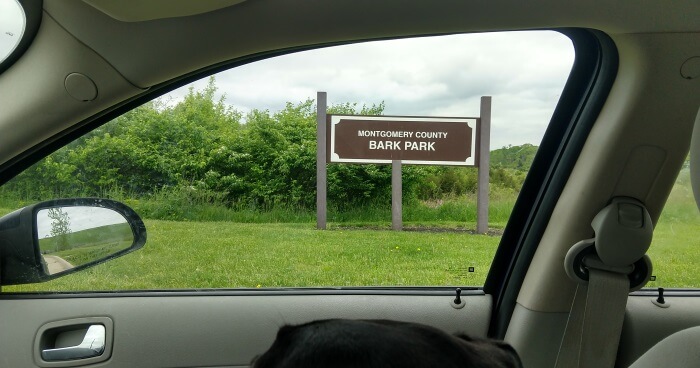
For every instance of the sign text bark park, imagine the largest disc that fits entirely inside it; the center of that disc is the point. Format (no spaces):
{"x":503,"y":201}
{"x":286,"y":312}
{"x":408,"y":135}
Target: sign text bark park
{"x":413,"y":140}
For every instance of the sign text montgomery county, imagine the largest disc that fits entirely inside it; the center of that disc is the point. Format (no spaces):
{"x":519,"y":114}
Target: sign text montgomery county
{"x":413,"y":140}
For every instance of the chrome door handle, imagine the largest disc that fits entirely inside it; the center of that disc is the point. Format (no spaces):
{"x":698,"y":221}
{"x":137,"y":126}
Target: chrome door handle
{"x":93,"y":345}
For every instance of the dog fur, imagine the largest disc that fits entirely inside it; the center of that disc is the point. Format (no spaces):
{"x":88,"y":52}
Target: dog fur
{"x":381,"y":343}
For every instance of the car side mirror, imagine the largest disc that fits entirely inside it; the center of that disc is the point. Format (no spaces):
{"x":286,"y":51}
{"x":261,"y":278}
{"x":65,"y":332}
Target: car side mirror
{"x":51,"y":239}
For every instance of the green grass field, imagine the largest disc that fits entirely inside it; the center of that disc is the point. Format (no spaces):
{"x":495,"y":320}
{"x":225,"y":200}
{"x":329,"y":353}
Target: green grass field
{"x":675,"y":250}
{"x":226,"y":254}
{"x":234,"y":255}
{"x":675,"y":255}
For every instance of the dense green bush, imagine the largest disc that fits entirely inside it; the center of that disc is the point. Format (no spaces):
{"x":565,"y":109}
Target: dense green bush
{"x":200,"y":151}
{"x":514,"y":157}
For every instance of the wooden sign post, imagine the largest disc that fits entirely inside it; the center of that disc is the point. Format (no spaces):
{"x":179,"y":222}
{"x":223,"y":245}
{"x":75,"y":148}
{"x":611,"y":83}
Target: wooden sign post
{"x":321,"y":184}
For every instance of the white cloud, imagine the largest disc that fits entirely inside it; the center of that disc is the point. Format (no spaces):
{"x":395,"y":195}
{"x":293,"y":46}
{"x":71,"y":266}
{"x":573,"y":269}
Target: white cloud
{"x":430,"y":76}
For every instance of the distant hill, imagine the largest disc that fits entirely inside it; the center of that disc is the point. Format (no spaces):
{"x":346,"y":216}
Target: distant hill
{"x":514,"y":157}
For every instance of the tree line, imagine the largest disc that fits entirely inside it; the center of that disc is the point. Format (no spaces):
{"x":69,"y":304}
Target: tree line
{"x":260,"y":159}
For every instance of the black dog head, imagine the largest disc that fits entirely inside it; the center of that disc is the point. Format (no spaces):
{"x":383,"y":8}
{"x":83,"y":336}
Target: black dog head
{"x":381,"y":343}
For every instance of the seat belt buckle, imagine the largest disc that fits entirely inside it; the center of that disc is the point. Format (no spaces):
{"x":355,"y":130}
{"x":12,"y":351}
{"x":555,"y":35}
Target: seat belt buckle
{"x":623,"y":233}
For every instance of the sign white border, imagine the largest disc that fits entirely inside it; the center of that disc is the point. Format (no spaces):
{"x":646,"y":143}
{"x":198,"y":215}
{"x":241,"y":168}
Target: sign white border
{"x":471,"y":122}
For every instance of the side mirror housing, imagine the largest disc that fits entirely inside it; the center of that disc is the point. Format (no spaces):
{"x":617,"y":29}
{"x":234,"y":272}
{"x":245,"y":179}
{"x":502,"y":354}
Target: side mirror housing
{"x":54,"y":238}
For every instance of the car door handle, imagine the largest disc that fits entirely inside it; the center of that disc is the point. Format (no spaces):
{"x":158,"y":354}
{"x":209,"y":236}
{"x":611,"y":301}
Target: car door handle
{"x":93,"y":345}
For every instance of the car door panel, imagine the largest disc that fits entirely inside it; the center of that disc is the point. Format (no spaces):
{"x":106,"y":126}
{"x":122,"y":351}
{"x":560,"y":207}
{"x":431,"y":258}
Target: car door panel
{"x":646,"y":323}
{"x":187,"y":329}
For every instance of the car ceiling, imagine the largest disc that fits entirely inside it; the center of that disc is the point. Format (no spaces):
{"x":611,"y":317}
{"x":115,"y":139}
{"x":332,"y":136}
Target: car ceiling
{"x":127,"y":58}
{"x":150,"y":52}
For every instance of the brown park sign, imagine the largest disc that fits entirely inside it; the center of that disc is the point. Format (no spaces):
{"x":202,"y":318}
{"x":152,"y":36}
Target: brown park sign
{"x":413,"y":140}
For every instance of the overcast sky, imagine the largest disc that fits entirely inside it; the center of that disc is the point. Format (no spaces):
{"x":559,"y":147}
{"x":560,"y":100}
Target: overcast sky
{"x":524,"y":72}
{"x":432,"y":76}
{"x":80,"y":218}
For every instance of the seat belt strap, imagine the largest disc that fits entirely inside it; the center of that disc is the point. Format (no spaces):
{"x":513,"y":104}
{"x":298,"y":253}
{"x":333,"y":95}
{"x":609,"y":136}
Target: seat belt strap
{"x":593,"y":330}
{"x":606,"y":267}
{"x":605,"y":312}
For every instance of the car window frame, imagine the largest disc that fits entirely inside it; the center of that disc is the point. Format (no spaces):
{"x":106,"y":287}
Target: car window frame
{"x":590,"y":81}
{"x":586,"y":89}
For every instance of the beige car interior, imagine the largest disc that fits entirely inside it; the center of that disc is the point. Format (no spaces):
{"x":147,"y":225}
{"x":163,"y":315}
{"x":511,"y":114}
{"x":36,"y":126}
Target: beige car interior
{"x":90,"y":57}
{"x":680,"y":349}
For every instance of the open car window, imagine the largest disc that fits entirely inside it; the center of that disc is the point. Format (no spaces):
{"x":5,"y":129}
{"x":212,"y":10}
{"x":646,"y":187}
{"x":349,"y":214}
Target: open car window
{"x":675,"y":242}
{"x":223,"y":171}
